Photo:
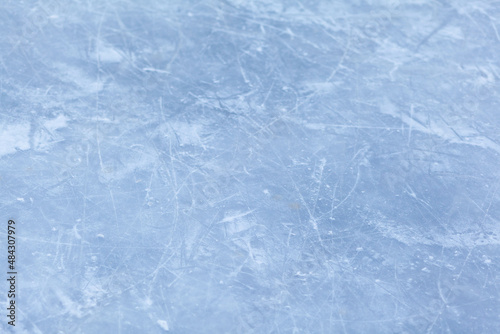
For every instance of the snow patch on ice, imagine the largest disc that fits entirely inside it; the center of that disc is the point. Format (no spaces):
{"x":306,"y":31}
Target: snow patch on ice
{"x":163,"y":324}
{"x":188,"y":134}
{"x":439,"y":128}
{"x":75,"y":76}
{"x":14,"y":137}
{"x":236,"y":221}
{"x":108,"y":54}
{"x":56,"y":123}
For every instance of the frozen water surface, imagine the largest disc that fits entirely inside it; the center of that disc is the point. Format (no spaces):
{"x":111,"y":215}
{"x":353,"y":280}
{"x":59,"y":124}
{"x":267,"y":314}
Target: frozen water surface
{"x":255,"y":166}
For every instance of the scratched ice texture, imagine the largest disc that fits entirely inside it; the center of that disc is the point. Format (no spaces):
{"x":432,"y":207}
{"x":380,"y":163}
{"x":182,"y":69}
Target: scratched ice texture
{"x":293,"y":166}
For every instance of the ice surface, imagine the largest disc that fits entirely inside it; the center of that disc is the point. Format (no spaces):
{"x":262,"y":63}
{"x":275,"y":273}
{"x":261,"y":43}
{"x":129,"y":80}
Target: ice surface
{"x":233,"y":166}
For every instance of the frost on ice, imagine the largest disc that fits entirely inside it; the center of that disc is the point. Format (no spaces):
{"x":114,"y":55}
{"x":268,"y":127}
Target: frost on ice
{"x":252,"y":166}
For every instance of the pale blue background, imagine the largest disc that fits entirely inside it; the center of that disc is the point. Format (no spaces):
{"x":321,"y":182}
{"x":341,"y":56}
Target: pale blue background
{"x":252,"y":166}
